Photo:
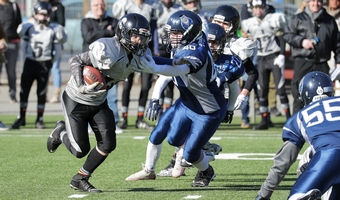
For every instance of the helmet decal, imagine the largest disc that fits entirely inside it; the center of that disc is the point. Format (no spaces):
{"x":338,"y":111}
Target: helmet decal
{"x":186,"y":22}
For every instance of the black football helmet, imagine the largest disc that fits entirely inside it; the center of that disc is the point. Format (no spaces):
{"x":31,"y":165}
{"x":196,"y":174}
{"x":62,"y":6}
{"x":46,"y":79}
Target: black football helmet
{"x":315,"y":86}
{"x":42,"y":8}
{"x":227,"y":14}
{"x":134,"y":24}
{"x":216,"y":35}
{"x":186,"y":22}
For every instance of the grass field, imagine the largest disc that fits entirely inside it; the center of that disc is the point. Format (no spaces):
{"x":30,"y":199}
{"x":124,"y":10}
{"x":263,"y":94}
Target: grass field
{"x":28,"y":171}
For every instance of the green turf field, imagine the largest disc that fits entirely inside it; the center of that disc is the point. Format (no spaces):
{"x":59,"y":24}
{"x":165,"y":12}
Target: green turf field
{"x":28,"y":171}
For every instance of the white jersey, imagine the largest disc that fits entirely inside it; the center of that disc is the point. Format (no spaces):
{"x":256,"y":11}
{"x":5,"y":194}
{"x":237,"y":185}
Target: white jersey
{"x":163,"y":19}
{"x":41,"y":43}
{"x":123,"y":7}
{"x":110,"y":57}
{"x":242,"y":47}
{"x":265,"y":31}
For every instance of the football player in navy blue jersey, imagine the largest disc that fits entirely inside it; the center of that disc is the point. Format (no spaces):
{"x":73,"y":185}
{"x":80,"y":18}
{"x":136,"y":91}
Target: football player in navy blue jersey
{"x":196,"y":115}
{"x":317,"y":125}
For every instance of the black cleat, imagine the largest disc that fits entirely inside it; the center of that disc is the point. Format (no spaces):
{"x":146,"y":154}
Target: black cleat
{"x":143,"y":124}
{"x":123,"y":124}
{"x":53,"y":141}
{"x":21,"y":121}
{"x":82,"y":183}
{"x":39,"y":124}
{"x":261,"y":126}
{"x":203,"y":178}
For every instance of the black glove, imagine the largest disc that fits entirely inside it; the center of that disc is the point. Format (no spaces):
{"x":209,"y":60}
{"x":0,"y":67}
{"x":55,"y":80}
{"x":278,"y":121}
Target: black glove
{"x":154,"y":110}
{"x":228,"y":116}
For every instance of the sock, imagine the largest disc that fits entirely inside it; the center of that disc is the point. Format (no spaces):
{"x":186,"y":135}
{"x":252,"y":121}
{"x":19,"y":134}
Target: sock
{"x":93,"y":160}
{"x":125,"y":116}
{"x":203,"y":164}
{"x":152,"y":155}
{"x":23,"y":112}
{"x":140,"y":116}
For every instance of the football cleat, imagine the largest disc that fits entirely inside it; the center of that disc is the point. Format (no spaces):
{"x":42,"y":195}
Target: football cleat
{"x":144,"y":174}
{"x":203,"y":178}
{"x":314,"y":194}
{"x":54,"y":140}
{"x":143,"y":124}
{"x":21,"y":121}
{"x":167,"y":171}
{"x":39,"y":124}
{"x":178,"y":170}
{"x":80,"y":182}
{"x":212,"y":147}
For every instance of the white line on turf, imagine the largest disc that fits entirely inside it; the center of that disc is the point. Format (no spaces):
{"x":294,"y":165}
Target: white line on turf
{"x":139,"y":137}
{"x":246,"y":156}
{"x":77,"y":196}
{"x":192,"y":197}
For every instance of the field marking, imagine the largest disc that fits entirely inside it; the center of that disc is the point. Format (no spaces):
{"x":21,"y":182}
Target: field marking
{"x":193,"y":197}
{"x":77,"y":196}
{"x":247,"y":156}
{"x":139,"y":137}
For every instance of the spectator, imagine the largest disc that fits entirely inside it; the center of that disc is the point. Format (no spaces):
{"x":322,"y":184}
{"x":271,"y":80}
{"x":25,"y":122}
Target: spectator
{"x":312,"y":34}
{"x":333,"y":8}
{"x":10,"y":18}
{"x":97,"y":24}
{"x":267,"y":28}
{"x":151,"y":11}
{"x":3,"y":48}
{"x":57,"y":16}
{"x":41,"y":38}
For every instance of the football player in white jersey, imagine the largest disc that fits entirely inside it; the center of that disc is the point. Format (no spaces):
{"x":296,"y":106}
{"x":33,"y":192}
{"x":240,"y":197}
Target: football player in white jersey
{"x":317,"y":125}
{"x":42,"y":43}
{"x":196,"y":115}
{"x":267,"y":29}
{"x":116,"y":58}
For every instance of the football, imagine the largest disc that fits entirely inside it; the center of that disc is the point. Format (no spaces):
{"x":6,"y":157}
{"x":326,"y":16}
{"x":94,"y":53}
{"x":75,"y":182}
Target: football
{"x":92,"y":75}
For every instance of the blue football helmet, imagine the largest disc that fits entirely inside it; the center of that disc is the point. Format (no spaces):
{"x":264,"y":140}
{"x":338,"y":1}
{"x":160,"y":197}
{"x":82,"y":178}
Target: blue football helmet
{"x":229,"y":15}
{"x":134,"y":24}
{"x":186,"y":22}
{"x":217,"y":39}
{"x":315,"y":86}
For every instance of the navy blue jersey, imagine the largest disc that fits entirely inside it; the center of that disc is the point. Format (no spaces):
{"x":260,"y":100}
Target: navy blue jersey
{"x":229,"y":68}
{"x":315,"y":124}
{"x":198,"y":89}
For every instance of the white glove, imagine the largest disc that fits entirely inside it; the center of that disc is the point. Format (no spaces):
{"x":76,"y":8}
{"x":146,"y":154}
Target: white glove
{"x":147,"y":64}
{"x":91,"y":89}
{"x":189,"y":60}
{"x":280,"y":61}
{"x":240,"y":102}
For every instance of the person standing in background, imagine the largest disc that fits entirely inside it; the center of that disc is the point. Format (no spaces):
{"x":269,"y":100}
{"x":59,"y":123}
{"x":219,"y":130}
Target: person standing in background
{"x":41,"y":38}
{"x":10,"y":18}
{"x":312,"y":35}
{"x":97,"y":24}
{"x":3,"y":48}
{"x":333,"y":8}
{"x":57,"y":16}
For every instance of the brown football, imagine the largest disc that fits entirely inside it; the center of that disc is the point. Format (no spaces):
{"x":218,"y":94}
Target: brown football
{"x":92,"y":75}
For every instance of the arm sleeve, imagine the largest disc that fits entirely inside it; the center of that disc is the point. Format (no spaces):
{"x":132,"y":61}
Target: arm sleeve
{"x":160,"y":84}
{"x":283,"y":159}
{"x":233,"y":93}
{"x":77,"y":64}
{"x":282,"y":45}
{"x":253,"y":74}
{"x":169,"y":70}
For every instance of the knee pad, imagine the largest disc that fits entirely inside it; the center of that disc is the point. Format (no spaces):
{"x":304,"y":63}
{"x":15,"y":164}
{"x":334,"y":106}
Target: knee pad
{"x":108,"y":148}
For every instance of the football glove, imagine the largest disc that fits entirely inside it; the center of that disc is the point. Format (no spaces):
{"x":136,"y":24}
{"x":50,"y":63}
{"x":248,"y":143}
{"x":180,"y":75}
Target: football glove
{"x":154,"y":110}
{"x":279,"y":61}
{"x":189,"y":60}
{"x":147,"y":64}
{"x":228,"y":116}
{"x":241,"y":102}
{"x":90,"y":89}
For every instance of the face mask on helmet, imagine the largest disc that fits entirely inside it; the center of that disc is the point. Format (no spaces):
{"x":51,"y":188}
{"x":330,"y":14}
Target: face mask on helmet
{"x":192,"y":5}
{"x":168,"y":3}
{"x":133,"y":33}
{"x":315,"y":86}
{"x":227,"y":17}
{"x":216,"y":39}
{"x":42,"y":11}
{"x":182,"y":28}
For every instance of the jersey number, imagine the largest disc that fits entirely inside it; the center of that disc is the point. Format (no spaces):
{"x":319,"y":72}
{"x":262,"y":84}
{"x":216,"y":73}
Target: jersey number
{"x":37,"y":52}
{"x":331,"y":112}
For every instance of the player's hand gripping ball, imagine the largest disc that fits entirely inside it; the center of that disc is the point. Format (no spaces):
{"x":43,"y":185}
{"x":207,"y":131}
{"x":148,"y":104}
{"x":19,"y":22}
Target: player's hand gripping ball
{"x":92,"y":75}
